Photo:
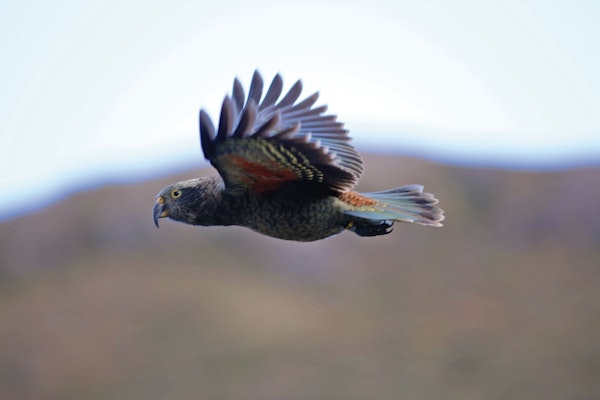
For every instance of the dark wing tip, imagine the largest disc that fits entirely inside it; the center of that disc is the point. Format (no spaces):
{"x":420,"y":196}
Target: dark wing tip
{"x":292,"y":95}
{"x":227,"y":119}
{"x":256,"y":88}
{"x":238,"y":94}
{"x":273,"y":92}
{"x":207,"y":134}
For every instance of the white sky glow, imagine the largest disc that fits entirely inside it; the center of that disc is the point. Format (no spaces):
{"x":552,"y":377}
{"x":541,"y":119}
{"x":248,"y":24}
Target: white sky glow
{"x":113,"y":88}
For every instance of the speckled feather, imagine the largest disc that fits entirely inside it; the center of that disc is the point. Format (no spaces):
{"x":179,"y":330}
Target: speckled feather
{"x":288,"y":213}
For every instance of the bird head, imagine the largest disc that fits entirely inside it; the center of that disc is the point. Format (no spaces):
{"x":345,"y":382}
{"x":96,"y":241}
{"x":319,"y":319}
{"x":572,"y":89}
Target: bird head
{"x":170,"y":201}
{"x":185,"y":201}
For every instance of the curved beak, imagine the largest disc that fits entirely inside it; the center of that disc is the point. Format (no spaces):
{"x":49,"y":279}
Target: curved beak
{"x":159,"y":210}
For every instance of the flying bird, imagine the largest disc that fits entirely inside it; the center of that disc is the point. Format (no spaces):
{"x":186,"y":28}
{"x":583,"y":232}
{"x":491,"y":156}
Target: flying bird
{"x":286,"y":170}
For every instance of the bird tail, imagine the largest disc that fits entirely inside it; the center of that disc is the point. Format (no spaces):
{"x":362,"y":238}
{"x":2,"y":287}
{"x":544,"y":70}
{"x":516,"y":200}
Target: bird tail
{"x":404,"y":204}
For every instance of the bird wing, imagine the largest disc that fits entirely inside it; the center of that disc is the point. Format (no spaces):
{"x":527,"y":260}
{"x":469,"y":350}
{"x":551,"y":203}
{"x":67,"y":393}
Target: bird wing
{"x":262,"y":143}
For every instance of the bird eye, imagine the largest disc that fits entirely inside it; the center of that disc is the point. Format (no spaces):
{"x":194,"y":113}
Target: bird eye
{"x":176,"y":193}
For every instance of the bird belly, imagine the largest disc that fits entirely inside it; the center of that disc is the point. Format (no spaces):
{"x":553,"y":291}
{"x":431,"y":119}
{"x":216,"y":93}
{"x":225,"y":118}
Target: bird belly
{"x":291,"y":219}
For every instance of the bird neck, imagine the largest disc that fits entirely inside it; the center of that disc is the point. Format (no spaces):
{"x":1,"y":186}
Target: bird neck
{"x":212,"y":203}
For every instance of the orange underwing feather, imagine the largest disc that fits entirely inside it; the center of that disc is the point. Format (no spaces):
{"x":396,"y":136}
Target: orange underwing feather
{"x":356,"y":199}
{"x":263,"y":177}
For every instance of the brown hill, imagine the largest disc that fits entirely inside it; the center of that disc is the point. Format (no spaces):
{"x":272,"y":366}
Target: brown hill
{"x":502,"y":302}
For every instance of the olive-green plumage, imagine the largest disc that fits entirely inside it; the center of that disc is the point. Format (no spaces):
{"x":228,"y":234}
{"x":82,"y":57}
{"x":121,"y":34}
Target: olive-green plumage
{"x":286,"y":170}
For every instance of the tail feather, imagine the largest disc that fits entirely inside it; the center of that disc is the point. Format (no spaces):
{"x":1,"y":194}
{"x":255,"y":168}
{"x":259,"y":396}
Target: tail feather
{"x":405,"y":204}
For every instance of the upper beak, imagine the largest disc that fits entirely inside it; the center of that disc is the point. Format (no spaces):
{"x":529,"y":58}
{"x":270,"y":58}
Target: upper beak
{"x":159,"y":210}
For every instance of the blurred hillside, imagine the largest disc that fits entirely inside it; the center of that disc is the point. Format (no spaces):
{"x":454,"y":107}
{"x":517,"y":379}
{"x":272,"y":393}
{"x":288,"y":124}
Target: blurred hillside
{"x":500,"y":303}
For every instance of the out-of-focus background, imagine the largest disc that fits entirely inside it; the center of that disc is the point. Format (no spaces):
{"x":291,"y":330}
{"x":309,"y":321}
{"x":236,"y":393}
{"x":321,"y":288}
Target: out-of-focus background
{"x":493,"y":107}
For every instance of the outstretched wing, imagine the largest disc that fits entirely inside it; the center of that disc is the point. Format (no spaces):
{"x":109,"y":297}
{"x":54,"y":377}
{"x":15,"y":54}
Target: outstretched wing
{"x":262,"y":143}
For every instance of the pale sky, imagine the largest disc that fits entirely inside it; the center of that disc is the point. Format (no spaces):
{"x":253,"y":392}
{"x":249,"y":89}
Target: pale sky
{"x":110,"y":90}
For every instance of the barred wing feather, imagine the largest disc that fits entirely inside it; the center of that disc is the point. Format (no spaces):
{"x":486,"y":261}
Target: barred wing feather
{"x":264,"y":142}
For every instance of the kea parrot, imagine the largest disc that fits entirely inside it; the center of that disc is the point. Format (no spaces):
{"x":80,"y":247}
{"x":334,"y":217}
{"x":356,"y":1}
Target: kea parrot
{"x":286,"y":170}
